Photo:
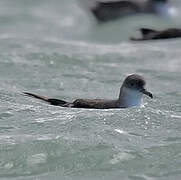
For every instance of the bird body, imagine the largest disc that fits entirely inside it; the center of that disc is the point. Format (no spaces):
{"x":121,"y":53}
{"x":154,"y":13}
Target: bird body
{"x":131,"y":93}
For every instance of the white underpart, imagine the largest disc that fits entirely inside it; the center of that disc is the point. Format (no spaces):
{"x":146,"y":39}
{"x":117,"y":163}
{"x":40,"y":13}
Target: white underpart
{"x":172,"y":11}
{"x":165,"y":9}
{"x":131,"y":97}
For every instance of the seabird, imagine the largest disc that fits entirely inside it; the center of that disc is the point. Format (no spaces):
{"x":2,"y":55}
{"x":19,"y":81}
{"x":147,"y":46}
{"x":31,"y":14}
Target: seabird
{"x":109,"y":10}
{"x":131,"y":93}
{"x":151,"y":34}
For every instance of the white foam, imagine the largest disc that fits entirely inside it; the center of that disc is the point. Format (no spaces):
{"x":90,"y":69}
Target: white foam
{"x":121,"y":156}
{"x":120,"y":131}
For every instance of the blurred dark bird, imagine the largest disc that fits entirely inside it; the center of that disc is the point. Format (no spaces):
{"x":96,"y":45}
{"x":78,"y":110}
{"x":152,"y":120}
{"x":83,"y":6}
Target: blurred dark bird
{"x":151,"y":34}
{"x":131,"y":93}
{"x":106,"y":10}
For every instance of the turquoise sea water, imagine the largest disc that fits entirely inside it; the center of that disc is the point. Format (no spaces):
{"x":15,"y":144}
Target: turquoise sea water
{"x":56,"y":49}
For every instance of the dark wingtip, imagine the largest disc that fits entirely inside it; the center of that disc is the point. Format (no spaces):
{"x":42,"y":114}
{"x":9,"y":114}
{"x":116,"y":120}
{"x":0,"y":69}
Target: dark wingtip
{"x":56,"y":102}
{"x":36,"y":96}
{"x":26,"y":93}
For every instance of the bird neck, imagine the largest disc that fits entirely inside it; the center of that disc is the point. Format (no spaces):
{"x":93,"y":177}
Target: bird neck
{"x":129,"y":97}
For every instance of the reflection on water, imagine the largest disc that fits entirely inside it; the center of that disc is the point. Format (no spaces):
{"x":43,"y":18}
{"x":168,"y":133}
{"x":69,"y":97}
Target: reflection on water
{"x":55,"y":49}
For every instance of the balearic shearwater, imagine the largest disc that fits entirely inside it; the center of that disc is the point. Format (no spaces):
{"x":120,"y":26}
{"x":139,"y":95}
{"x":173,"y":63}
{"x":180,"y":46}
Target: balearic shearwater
{"x":131,"y":93}
{"x":109,"y":10}
{"x":151,"y":34}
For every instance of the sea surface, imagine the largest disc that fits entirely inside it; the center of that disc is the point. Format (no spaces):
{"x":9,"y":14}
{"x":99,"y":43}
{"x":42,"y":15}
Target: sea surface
{"x":57,"y":49}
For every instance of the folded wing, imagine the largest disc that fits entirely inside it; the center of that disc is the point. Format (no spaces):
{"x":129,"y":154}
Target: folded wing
{"x":95,"y":103}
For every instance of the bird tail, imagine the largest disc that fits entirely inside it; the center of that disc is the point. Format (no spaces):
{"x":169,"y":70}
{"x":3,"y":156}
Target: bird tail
{"x":55,"y":102}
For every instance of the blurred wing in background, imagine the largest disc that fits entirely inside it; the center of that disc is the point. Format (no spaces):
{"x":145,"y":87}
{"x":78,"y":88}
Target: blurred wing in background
{"x":106,"y":11}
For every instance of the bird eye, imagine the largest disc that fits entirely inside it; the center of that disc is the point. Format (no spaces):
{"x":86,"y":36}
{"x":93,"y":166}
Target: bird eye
{"x":132,"y":84}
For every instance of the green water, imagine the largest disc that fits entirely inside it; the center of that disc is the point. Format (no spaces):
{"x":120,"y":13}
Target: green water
{"x":56,"y":49}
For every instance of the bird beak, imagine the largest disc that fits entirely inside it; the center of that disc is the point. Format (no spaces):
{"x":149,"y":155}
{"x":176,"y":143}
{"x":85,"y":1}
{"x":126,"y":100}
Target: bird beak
{"x":144,"y":91}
